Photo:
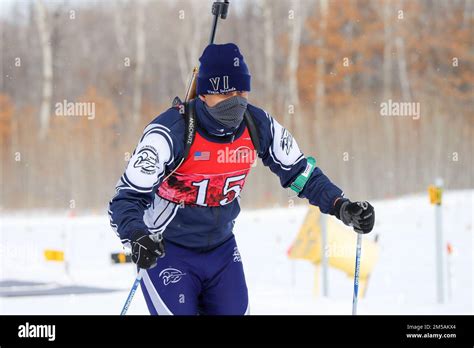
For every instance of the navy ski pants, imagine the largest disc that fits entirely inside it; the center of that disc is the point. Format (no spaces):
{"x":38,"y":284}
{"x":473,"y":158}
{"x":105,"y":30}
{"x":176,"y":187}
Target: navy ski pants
{"x":188,"y":282}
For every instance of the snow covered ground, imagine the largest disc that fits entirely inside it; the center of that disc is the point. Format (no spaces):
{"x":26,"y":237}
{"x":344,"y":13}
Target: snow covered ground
{"x":404,"y":280}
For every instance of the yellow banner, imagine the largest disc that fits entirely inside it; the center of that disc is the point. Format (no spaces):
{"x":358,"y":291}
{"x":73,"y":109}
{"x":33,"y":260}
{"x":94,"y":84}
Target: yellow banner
{"x":307,"y":244}
{"x":341,"y":245}
{"x":54,"y":255}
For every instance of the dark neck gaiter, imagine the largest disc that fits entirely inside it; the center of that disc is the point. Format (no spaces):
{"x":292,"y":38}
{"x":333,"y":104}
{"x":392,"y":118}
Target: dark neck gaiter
{"x":229,"y":112}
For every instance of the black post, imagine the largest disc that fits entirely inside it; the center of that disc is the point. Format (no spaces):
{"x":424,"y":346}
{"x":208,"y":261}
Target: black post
{"x":219,"y":9}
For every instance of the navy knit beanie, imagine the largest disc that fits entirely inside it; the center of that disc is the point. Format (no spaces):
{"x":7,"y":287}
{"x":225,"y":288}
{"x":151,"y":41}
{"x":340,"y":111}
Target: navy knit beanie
{"x":222,"y":70}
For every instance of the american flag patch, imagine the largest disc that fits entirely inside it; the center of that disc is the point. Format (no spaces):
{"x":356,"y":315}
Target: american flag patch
{"x":202,"y":155}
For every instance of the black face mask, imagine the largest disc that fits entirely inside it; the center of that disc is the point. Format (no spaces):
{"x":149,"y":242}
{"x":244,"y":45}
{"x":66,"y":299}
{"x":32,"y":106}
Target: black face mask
{"x":229,"y":112}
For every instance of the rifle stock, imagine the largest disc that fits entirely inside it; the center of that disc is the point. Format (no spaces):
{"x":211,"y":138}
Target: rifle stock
{"x":191,"y":90}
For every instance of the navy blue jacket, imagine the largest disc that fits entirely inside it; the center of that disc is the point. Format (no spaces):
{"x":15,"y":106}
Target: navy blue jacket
{"x":136,"y":206}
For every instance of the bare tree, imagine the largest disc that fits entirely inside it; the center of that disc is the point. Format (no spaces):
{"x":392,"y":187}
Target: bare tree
{"x":349,"y":32}
{"x":387,"y":50}
{"x":402,"y":69}
{"x":192,"y":36}
{"x":196,"y":45}
{"x":184,"y":68}
{"x":269,"y":53}
{"x":119,"y":26}
{"x":140,"y":35}
{"x":320,"y":72}
{"x":45,"y":38}
{"x":387,"y":123}
{"x":296,"y":25}
{"x":467,"y":13}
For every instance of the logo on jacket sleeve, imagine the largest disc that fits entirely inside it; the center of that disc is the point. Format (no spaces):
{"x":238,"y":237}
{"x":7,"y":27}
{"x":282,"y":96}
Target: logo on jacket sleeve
{"x":147,"y":159}
{"x":286,"y":141}
{"x":171,"y":275}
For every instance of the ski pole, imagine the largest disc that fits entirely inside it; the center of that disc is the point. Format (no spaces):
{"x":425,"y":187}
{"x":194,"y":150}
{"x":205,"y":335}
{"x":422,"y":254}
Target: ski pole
{"x":132,"y":292}
{"x":356,"y":274}
{"x":156,"y":238}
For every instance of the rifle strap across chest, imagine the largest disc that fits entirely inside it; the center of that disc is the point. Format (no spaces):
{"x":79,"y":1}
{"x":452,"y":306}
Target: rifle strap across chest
{"x":188,"y":110}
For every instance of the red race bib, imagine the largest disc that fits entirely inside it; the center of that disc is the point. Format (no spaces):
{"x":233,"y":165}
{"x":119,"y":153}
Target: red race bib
{"x":213,"y":174}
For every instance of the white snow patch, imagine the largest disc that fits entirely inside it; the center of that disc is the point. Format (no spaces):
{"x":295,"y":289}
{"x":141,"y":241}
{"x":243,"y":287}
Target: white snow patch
{"x":403,"y":282}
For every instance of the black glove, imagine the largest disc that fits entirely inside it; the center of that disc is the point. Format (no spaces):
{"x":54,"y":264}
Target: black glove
{"x":360,"y":215}
{"x":146,"y":249}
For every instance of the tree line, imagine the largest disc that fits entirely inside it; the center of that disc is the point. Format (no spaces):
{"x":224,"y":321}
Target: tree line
{"x":336,"y":73}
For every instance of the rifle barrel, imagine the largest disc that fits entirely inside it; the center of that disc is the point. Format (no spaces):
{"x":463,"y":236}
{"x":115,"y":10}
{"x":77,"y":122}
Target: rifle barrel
{"x":213,"y":30}
{"x":219,"y":9}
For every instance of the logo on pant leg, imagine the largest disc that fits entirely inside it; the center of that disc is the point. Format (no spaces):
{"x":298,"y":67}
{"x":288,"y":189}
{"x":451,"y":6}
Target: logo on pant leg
{"x":171,"y":275}
{"x":236,"y":255}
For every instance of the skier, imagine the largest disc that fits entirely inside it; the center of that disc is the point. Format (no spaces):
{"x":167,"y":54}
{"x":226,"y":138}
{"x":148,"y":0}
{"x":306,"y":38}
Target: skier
{"x":189,"y":193}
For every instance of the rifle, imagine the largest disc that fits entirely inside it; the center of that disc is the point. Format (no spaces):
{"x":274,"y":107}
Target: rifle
{"x":219,"y":9}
